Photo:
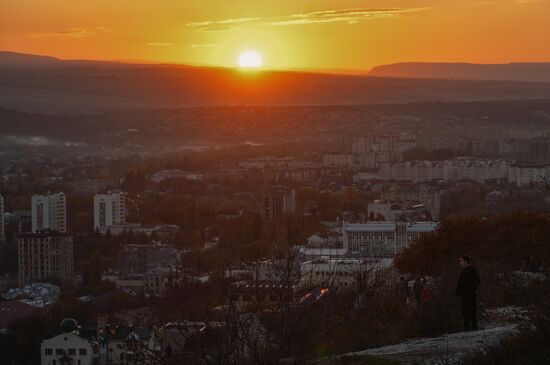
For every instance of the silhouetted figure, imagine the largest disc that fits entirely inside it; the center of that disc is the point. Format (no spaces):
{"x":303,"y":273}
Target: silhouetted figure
{"x":533,"y":264}
{"x":402,"y":290}
{"x":466,"y":288}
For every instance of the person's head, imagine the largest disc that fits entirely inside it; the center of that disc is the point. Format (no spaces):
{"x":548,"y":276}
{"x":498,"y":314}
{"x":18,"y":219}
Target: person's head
{"x":465,"y":260}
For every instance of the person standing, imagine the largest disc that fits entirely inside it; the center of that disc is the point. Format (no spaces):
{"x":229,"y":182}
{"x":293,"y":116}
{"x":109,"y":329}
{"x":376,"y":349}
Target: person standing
{"x":418,"y":286}
{"x":402,"y":291}
{"x":466,"y":288}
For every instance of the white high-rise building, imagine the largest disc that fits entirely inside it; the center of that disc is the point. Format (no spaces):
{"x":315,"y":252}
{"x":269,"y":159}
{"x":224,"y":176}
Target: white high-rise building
{"x":49,"y":212}
{"x":2,"y":233}
{"x":109,"y":209}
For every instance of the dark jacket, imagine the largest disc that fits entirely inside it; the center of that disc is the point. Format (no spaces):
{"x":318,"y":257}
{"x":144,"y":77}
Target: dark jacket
{"x":468,"y":281}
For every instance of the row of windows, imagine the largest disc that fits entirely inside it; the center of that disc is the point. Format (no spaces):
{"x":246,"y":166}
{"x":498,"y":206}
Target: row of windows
{"x":258,"y":298}
{"x":54,"y":362}
{"x":71,"y":351}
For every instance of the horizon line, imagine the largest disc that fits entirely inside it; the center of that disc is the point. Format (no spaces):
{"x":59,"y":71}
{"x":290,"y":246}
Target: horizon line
{"x":336,"y":70}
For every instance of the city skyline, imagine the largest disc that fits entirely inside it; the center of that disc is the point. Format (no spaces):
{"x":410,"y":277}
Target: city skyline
{"x":251,"y":182}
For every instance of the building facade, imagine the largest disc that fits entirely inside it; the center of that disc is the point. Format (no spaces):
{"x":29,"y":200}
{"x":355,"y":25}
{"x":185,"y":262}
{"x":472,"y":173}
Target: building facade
{"x":522,"y":174}
{"x":428,"y":195}
{"x":277,"y":202}
{"x":109,"y":209}
{"x":44,"y":255}
{"x":417,"y":171}
{"x":157,"y":280}
{"x":395,"y":210}
{"x":67,"y":348}
{"x":343,"y":273}
{"x":49,"y":212}
{"x":140,"y":258}
{"x":383,"y":239}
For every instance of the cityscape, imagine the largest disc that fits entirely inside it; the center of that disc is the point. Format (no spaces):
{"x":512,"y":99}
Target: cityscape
{"x":223,"y":194}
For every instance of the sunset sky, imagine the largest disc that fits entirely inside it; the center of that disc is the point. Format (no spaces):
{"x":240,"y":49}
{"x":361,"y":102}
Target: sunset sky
{"x":298,"y":34}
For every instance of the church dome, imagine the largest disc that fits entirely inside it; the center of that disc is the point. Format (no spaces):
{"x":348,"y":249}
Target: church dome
{"x":68,"y":325}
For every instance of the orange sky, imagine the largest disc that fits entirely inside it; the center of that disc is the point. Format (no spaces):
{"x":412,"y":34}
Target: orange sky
{"x":316,"y":34}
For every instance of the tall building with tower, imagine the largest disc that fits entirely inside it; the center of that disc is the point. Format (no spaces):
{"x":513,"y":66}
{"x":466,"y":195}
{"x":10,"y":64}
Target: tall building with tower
{"x":49,"y":212}
{"x":109,"y":209}
{"x":44,"y":255}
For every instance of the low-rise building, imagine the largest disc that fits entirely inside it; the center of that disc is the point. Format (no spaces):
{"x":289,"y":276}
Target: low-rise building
{"x":69,"y":347}
{"x":344,"y":273}
{"x":245,"y":295}
{"x":140,"y":258}
{"x":160,"y":230}
{"x":395,"y":210}
{"x":157,"y":280}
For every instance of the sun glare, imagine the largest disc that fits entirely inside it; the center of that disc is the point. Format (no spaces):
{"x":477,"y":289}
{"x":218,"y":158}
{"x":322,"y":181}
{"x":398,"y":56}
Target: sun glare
{"x":250,"y":59}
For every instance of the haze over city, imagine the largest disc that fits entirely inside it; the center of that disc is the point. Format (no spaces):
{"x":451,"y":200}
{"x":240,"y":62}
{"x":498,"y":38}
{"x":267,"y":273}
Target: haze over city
{"x":290,"y":182}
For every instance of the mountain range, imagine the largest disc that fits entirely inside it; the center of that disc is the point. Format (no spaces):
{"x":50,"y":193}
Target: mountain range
{"x":525,"y":71}
{"x":47,"y":84}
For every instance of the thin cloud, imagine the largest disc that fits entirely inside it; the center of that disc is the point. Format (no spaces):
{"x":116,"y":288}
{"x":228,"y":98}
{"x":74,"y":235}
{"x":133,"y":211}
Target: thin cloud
{"x":350,"y":16}
{"x":205,"y":45}
{"x":225,"y":21}
{"x":159,"y":44}
{"x":217,"y":28}
{"x":74,"y":32}
{"x":224,"y":25}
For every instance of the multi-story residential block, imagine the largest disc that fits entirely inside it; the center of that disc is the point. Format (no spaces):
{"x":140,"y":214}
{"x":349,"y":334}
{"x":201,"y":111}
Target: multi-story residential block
{"x":374,"y":150}
{"x":109,"y":209}
{"x":277,"y":202}
{"x":45,"y":255}
{"x":528,"y":173}
{"x":49,"y":212}
{"x":417,"y":171}
{"x":340,"y":159}
{"x":536,"y":149}
{"x":476,"y":169}
{"x":480,"y":170}
{"x":263,"y":162}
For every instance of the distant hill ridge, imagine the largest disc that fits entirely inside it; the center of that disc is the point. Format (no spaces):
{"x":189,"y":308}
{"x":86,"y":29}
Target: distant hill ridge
{"x":14,"y":58}
{"x":520,"y":71}
{"x":47,"y":84}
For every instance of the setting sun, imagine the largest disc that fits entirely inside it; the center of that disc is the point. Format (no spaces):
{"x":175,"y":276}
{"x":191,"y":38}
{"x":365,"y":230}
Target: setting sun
{"x":250,"y":59}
